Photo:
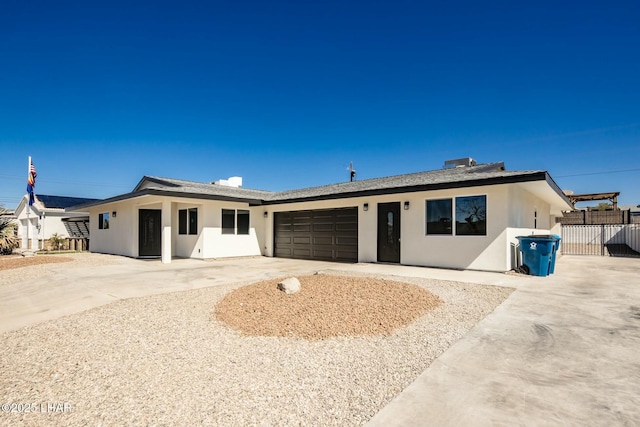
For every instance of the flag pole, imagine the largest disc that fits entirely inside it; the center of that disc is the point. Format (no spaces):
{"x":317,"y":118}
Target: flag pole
{"x":28,"y":220}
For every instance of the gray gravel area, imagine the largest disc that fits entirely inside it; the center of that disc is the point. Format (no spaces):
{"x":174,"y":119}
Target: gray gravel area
{"x":165,"y":360}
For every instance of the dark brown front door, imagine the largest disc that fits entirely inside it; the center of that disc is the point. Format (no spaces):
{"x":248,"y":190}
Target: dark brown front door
{"x":149,"y":232}
{"x":389,"y":232}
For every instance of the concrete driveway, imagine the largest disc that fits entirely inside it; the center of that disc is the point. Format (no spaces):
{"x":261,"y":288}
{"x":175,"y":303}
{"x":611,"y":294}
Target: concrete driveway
{"x":67,"y":290}
{"x":561,"y":350}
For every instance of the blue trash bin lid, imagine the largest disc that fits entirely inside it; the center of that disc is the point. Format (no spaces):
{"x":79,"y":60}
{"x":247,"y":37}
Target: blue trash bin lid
{"x":542,"y":237}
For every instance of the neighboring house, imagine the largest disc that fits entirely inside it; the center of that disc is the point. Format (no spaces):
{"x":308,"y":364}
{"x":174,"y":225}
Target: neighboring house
{"x":46,"y":217}
{"x":465,"y":217}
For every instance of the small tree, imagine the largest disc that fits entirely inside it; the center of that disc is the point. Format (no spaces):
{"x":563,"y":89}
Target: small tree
{"x":8,"y":240}
{"x":56,"y":241}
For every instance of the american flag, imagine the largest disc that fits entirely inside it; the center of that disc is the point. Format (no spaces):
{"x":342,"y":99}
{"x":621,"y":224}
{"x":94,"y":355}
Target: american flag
{"x":31,"y":182}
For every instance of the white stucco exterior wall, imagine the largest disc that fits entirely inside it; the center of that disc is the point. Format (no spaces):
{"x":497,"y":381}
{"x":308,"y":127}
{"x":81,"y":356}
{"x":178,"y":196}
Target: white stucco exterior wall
{"x":119,"y":238}
{"x":512,"y":210}
{"x":218,"y":245}
{"x":209,"y":242}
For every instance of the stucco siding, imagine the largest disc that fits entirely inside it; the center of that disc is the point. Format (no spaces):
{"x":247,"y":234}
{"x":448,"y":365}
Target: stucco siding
{"x":486,"y":252}
{"x":122,"y":235}
{"x":209,"y":242}
{"x":219,"y":245}
{"x":528,"y":211}
{"x":511,"y":209}
{"x":490,"y":252}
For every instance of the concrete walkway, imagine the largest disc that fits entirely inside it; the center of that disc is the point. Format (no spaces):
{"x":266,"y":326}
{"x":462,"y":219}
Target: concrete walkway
{"x":562,"y":350}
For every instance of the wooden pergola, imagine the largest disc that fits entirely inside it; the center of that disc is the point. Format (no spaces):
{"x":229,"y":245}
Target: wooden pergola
{"x":612,"y":197}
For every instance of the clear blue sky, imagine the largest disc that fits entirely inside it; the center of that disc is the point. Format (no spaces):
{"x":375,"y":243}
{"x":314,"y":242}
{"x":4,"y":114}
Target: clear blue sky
{"x":287,"y":93}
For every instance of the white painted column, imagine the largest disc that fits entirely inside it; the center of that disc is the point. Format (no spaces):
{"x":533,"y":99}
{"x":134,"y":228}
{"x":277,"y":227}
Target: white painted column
{"x":23,"y":229}
{"x":42,"y":229}
{"x":34,"y":234}
{"x":166,"y":231}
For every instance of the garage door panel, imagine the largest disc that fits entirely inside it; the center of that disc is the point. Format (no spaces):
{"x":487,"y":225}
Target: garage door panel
{"x":323,"y":240}
{"x":323,"y":254}
{"x":346,"y":241}
{"x":346,"y":255}
{"x":346,"y":214}
{"x":326,"y":214}
{"x":347,"y":227}
{"x":300,"y":252}
{"x":322,"y":227}
{"x":330,"y":234}
{"x":284,"y":252}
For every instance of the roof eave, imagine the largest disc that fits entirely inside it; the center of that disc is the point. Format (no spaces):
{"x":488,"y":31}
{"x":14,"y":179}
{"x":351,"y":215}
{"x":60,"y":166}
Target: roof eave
{"x":534,"y":176}
{"x":160,"y":192}
{"x":113,"y":199}
{"x":558,"y":190}
{"x":154,"y":180}
{"x":525,"y":177}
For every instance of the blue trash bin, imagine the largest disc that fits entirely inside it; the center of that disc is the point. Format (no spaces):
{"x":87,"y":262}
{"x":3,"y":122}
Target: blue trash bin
{"x":537,"y":252}
{"x":556,"y":248}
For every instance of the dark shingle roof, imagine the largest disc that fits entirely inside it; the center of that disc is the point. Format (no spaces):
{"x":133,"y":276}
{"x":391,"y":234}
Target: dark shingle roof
{"x":441,"y":178}
{"x":468,"y":176}
{"x":61,"y":202}
{"x":192,"y":187}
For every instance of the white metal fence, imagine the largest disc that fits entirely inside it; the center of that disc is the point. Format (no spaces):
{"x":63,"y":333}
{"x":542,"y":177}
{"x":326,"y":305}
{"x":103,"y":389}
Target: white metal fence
{"x":605,"y":240}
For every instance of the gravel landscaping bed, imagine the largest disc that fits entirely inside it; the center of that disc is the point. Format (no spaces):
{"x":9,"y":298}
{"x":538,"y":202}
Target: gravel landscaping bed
{"x":10,"y":262}
{"x":16,"y":268}
{"x":327,"y":306}
{"x":166,"y":360}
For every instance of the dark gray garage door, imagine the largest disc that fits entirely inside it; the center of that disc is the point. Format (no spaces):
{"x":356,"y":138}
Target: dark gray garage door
{"x":330,"y":234}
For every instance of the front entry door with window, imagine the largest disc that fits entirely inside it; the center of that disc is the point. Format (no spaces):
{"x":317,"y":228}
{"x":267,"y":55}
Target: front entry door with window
{"x":389,"y":232}
{"x":149,"y":232}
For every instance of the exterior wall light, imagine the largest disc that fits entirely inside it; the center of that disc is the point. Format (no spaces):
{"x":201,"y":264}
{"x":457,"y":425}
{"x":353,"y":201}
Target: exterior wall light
{"x":266,"y":214}
{"x":113,"y":214}
{"x":365,"y":207}
{"x":406,"y":206}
